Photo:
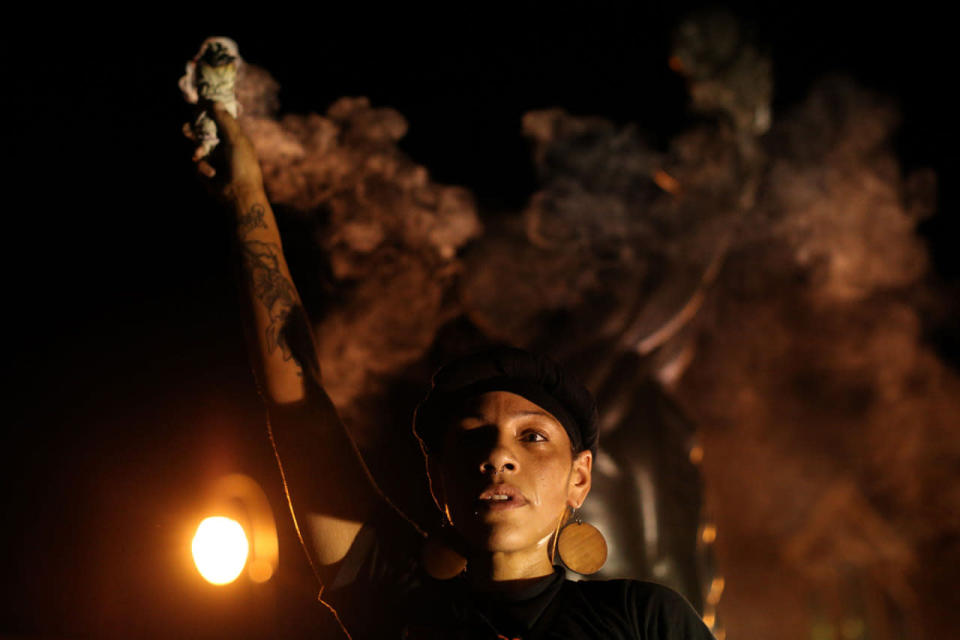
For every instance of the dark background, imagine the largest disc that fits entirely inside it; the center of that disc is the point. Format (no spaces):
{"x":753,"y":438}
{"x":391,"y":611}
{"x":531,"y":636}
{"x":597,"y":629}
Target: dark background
{"x":127,"y":375}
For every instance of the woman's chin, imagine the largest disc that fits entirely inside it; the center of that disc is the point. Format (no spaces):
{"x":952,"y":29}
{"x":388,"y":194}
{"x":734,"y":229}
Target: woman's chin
{"x":499,"y":537}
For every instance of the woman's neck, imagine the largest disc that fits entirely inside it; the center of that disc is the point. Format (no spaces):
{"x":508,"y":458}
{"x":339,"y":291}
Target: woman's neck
{"x":502,"y":569}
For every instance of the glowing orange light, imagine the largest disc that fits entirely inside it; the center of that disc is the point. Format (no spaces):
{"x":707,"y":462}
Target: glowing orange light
{"x":260,"y":570}
{"x":675,"y":63}
{"x":709,"y":533}
{"x":716,"y":590}
{"x":696,"y":454}
{"x":666,"y":181}
{"x":220,"y":549}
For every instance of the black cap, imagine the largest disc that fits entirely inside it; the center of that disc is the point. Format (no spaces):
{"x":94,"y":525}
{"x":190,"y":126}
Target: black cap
{"x":535,"y":377}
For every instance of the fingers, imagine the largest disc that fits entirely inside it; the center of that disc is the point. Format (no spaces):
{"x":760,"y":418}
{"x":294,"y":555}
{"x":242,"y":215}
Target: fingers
{"x":225,"y":122}
{"x":231,"y":133}
{"x":205,"y":169}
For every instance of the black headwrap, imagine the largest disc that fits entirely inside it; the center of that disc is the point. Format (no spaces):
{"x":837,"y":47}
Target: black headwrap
{"x":536,"y":378}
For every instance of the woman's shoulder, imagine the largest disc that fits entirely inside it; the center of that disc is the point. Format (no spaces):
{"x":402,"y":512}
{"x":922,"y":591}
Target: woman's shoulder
{"x":656,"y":610}
{"x":639,"y":590}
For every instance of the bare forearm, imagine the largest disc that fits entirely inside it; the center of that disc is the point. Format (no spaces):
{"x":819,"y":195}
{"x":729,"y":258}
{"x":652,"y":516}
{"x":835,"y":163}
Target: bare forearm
{"x":278,"y":329}
{"x":330,"y":491}
{"x":306,"y":431}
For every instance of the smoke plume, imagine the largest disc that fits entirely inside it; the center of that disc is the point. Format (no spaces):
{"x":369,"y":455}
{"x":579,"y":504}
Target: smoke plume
{"x":828,"y":424}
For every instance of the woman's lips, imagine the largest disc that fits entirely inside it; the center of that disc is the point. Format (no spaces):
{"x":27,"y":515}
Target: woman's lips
{"x":501,"y":497}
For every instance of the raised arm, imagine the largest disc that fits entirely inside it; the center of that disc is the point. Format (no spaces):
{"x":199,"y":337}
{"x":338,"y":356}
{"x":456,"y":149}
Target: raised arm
{"x":329,"y":489}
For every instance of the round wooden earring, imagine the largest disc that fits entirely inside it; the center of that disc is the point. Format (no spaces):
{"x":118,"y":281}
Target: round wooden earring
{"x":582,"y":547}
{"x":440,"y":560}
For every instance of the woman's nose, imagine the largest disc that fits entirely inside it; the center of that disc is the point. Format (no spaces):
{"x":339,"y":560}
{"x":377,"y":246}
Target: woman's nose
{"x":499,"y":460}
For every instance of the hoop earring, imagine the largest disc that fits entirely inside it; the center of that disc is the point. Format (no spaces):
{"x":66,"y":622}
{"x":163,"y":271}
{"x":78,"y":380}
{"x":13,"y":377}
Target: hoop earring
{"x":581,"y":546}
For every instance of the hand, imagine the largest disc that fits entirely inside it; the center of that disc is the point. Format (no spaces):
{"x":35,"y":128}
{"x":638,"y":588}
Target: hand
{"x":232,"y":167}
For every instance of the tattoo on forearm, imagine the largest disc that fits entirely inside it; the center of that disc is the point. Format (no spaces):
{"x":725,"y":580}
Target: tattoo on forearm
{"x":272,"y":289}
{"x":252,"y":219}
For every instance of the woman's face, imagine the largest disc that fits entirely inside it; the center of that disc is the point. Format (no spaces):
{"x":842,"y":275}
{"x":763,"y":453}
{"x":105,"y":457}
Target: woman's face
{"x":507,"y":473}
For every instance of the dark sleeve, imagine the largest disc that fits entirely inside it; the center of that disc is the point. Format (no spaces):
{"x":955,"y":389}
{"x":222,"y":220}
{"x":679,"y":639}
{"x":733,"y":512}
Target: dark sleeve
{"x":374,"y":579}
{"x":664,"y":614}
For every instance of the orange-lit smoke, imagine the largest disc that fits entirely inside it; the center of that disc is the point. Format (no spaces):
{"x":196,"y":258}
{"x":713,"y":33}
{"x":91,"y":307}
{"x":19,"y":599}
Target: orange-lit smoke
{"x":829,"y":425}
{"x":829,"y":444}
{"x":389,"y":234}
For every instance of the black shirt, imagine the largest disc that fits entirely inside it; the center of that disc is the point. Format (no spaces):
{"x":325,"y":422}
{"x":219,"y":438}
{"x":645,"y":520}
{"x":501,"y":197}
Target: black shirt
{"x":380,"y":591}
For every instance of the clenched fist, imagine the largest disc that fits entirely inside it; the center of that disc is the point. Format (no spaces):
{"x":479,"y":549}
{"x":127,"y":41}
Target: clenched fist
{"x":232,"y":168}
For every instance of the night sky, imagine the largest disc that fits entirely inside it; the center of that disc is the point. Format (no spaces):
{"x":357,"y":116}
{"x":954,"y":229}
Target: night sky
{"x":130,"y":387}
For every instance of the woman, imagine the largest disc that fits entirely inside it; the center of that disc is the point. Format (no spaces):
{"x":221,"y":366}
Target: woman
{"x":510,"y":443}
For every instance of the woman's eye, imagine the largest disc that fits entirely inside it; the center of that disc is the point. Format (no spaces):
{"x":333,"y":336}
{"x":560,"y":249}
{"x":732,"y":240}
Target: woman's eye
{"x":533,"y":436}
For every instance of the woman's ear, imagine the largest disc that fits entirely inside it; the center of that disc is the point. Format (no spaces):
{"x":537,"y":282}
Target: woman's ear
{"x":580,"y":478}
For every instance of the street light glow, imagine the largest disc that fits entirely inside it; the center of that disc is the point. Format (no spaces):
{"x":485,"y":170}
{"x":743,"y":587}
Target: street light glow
{"x":220,"y":549}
